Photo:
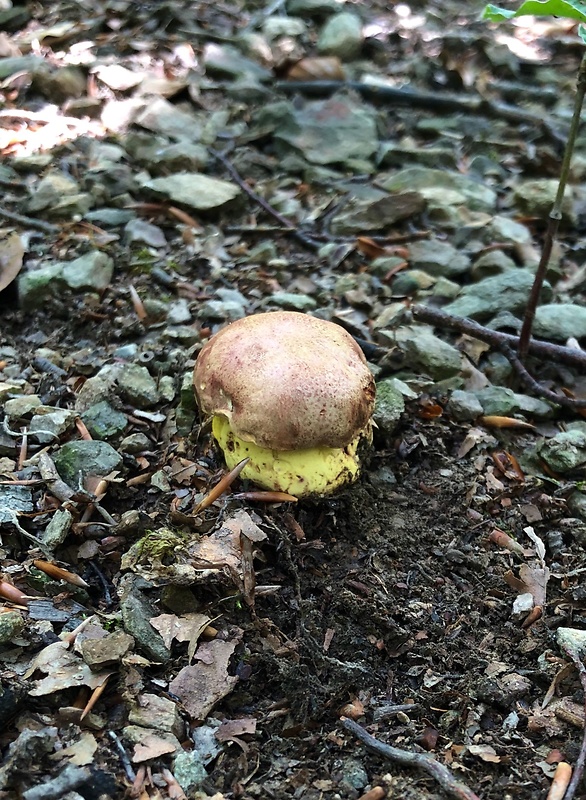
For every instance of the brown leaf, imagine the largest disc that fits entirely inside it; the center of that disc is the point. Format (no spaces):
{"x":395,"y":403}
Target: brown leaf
{"x":492,"y":421}
{"x":325,"y":68}
{"x":11,"y":255}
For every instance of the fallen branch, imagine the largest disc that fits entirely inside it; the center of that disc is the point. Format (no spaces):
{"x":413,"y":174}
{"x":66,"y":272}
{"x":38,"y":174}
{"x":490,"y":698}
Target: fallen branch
{"x":507,"y":344}
{"x":421,"y":761}
{"x":28,"y":222}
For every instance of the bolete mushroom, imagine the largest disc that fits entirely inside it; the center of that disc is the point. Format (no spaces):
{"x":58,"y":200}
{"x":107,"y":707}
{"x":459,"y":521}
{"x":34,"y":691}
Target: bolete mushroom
{"x":291,"y":392}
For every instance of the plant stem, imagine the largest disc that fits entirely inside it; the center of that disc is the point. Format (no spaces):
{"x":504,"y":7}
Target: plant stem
{"x":555,"y":214}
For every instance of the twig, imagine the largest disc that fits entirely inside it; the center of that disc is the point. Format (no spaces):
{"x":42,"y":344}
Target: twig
{"x":305,"y":240}
{"x":130,"y":773}
{"x":29,"y":222}
{"x":422,"y":761}
{"x":221,"y":486}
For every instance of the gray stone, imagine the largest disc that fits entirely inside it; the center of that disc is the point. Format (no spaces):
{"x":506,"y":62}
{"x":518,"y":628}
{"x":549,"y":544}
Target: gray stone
{"x":186,"y":392}
{"x":536,"y":198}
{"x":446,"y":289}
{"x":181,"y":157}
{"x":91,"y":272}
{"x":21,"y":406}
{"x":337,"y":130}
{"x":508,"y":291}
{"x":161,"y":116}
{"x":86,"y":458}
{"x":410,"y":281}
{"x":110,"y":217}
{"x":577,"y":503}
{"x":182,"y":335}
{"x":564,"y":452}
{"x":49,"y":427}
{"x":275,"y":27}
{"x":12,"y":65}
{"x":194,"y":190}
{"x":11,"y":626}
{"x":351,"y":775}
{"x":223,"y":61}
{"x":35,"y":286}
{"x":14,"y":499}
{"x":389,"y":405}
{"x":362,"y":215}
{"x":137,"y":612}
{"x":464,"y":406}
{"x":505,"y":229}
{"x":103,"y":421}
{"x":493,"y":263}
{"x":179,"y":312}
{"x":290,"y":300}
{"x":441,"y":188}
{"x":189,"y":771}
{"x":425,"y":351}
{"x":314,"y":9}
{"x":341,"y":36}
{"x":138,"y":386}
{"x":51,"y":190}
{"x":560,"y":321}
{"x":103,"y":653}
{"x":438,"y":258}
{"x":152,"y":711}
{"x":135,"y":443}
{"x":99,"y":387}
{"x":139,"y":230}
{"x":58,"y":528}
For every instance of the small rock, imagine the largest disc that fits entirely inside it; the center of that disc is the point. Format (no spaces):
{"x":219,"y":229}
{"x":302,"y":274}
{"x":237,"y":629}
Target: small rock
{"x":110,"y":217}
{"x":152,"y":711}
{"x":51,"y":190}
{"x":425,"y":351}
{"x":446,"y":289}
{"x":464,"y":406}
{"x":103,"y":421}
{"x":500,"y":401}
{"x":86,"y":458}
{"x":560,"y":321}
{"x":438,"y":258}
{"x":35,"y":286}
{"x":101,"y":654}
{"x":161,"y":116}
{"x":389,"y":406}
{"x":20,"y":407}
{"x":335,"y":131}
{"x":61,"y":84}
{"x":49,"y":427}
{"x":411,"y":281}
{"x":441,"y":188}
{"x":536,"y":198}
{"x":351,"y":776}
{"x":14,"y":18}
{"x":138,"y":386}
{"x":565,"y":452}
{"x":135,"y":443}
{"x":223,"y":61}
{"x":505,"y":229}
{"x":137,"y":612}
{"x":139,"y":230}
{"x":492,"y":263}
{"x":91,"y":272}
{"x":58,"y":528}
{"x":194,"y":190}
{"x":274,"y":27}
{"x":11,"y":625}
{"x":341,"y":36}
{"x":99,"y":387}
{"x":181,"y":157}
{"x":297,"y":302}
{"x":189,"y":771}
{"x":508,"y":291}
{"x":360,"y":216}
{"x":179,"y":312}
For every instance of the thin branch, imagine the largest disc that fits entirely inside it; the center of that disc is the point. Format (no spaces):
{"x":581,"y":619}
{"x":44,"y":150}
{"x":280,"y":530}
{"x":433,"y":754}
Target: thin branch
{"x":450,"y":784}
{"x":28,"y":222}
{"x":306,"y":241}
{"x":545,"y":350}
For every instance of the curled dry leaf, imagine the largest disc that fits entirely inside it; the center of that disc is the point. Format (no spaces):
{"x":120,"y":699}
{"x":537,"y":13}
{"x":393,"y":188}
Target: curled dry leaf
{"x":11,"y":255}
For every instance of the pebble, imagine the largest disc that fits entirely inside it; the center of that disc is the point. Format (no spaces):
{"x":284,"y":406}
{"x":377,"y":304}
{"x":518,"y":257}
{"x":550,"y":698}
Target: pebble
{"x":138,"y":386}
{"x":437,"y":258}
{"x":389,"y":406}
{"x":564,"y":452}
{"x":83,"y":458}
{"x":103,"y":421}
{"x":464,"y":406}
{"x":341,"y":36}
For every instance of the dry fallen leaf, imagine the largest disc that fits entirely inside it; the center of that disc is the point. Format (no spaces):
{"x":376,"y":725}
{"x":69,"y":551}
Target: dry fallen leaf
{"x":11,"y":255}
{"x":325,"y":68}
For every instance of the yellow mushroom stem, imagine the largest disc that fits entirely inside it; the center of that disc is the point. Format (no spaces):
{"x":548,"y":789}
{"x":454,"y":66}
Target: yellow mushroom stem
{"x":313,"y":471}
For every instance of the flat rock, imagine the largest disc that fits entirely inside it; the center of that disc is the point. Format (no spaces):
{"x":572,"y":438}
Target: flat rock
{"x":91,"y":272}
{"x":536,"y":197}
{"x":564,"y":452}
{"x":425,"y":351}
{"x":437,"y":258}
{"x":86,"y":458}
{"x":464,"y":406}
{"x":389,"y":405}
{"x":138,"y":386}
{"x":560,"y":321}
{"x":194,"y":190}
{"x":103,"y":653}
{"x":223,"y":61}
{"x":51,"y":189}
{"x":341,"y":36}
{"x":360,"y":216}
{"x":333,"y":131}
{"x":506,"y":292}
{"x":103,"y":421}
{"x":442,"y":188}
{"x":35,"y":286}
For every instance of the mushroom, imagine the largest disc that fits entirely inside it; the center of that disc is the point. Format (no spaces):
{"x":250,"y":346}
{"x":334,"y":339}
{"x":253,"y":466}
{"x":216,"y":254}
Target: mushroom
{"x":291,"y":392}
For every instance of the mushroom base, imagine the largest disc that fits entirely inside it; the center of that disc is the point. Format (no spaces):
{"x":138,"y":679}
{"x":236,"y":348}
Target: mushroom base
{"x":316,"y":471}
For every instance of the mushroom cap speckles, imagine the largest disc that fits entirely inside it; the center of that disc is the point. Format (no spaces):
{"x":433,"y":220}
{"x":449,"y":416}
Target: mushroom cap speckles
{"x":286,"y":381}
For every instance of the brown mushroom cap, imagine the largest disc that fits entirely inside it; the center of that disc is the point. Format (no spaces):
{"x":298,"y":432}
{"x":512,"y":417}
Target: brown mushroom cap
{"x":286,"y":381}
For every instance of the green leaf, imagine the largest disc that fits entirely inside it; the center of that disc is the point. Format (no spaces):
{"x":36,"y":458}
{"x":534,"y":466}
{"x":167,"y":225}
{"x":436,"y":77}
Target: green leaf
{"x":570,"y":9}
